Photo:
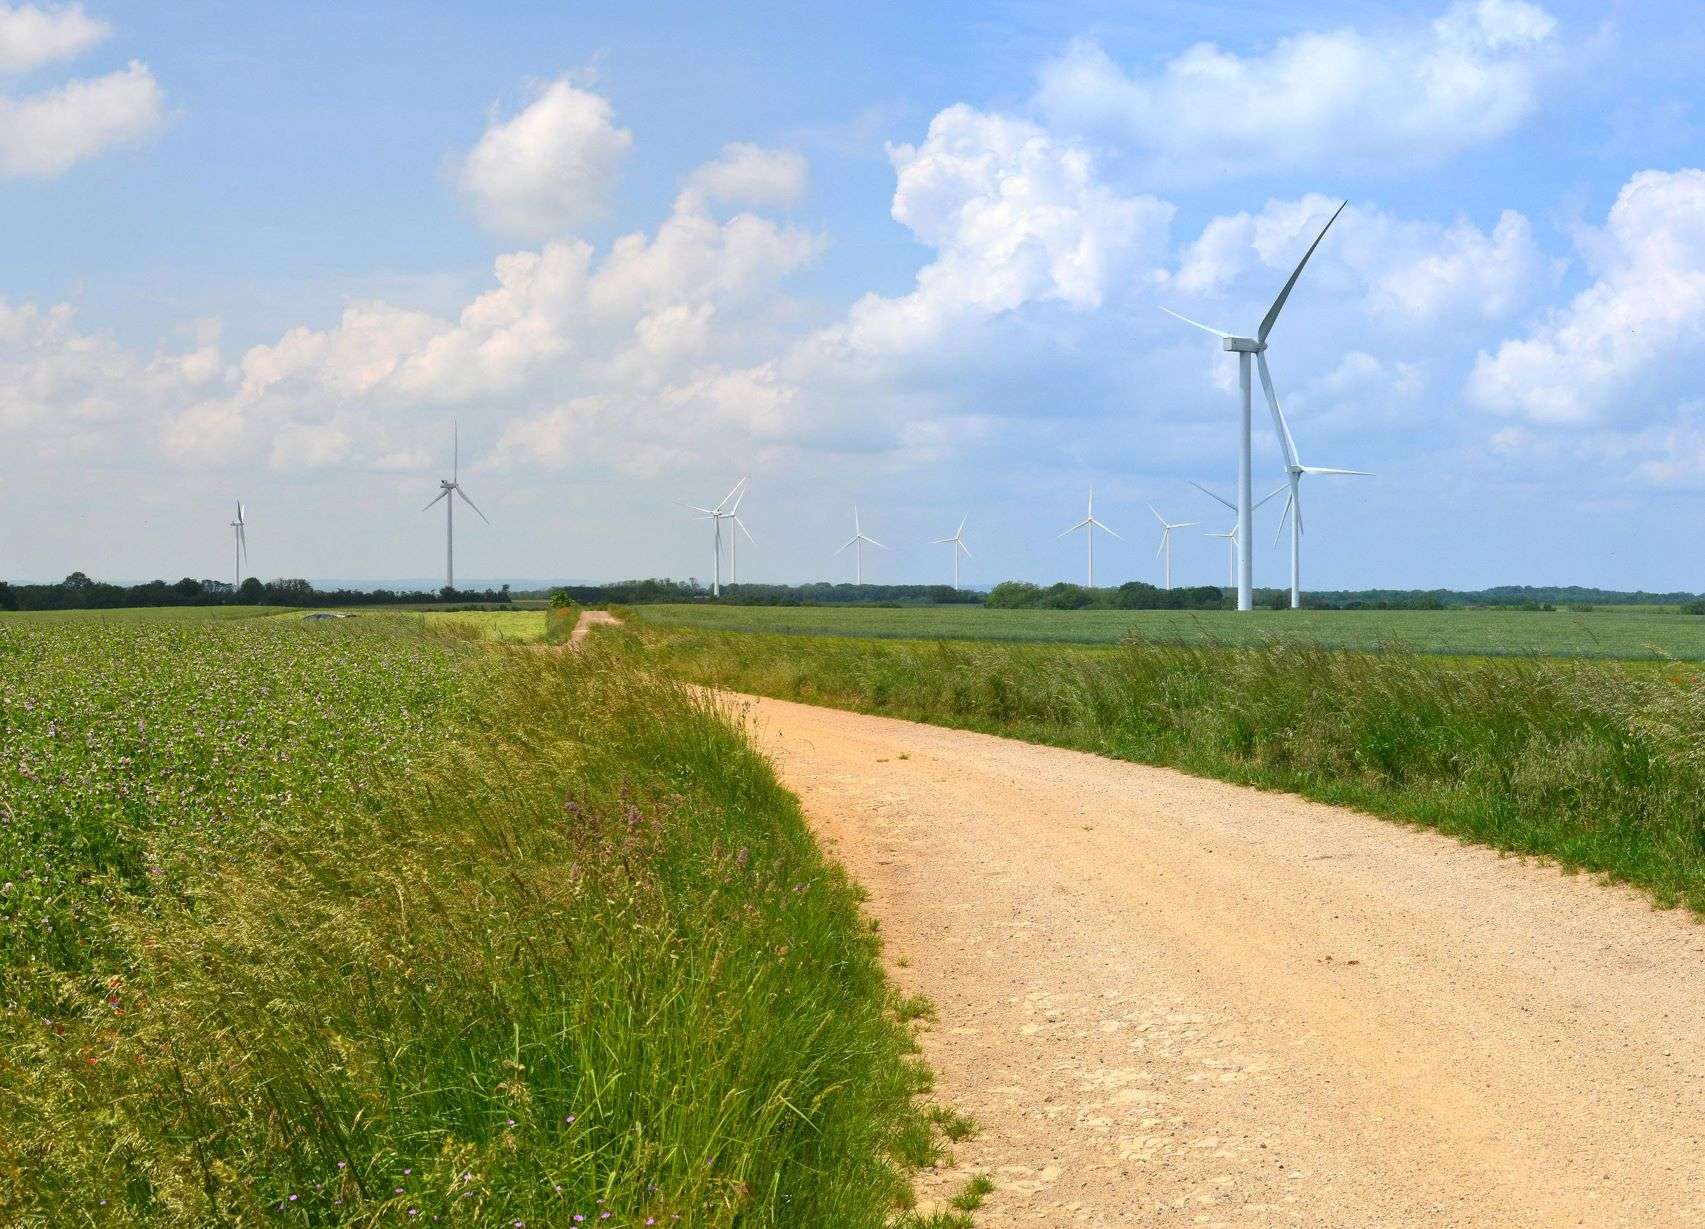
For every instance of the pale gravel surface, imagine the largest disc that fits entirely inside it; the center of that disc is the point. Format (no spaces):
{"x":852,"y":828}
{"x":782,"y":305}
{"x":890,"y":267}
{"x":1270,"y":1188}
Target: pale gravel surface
{"x":1172,"y":1001}
{"x":585,"y":623}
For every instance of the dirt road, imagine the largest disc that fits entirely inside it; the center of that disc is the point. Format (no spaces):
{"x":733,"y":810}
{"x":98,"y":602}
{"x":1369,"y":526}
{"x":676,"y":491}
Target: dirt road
{"x":1176,"y":1002}
{"x":585,"y":623}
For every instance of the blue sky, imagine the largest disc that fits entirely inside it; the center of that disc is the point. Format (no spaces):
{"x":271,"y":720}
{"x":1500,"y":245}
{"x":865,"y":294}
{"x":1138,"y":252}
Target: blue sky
{"x":908,"y":257}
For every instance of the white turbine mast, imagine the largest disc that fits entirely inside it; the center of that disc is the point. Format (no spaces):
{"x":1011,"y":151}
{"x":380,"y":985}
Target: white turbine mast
{"x":957,"y":541}
{"x":724,"y":511}
{"x":1166,"y":528}
{"x":241,"y":547}
{"x":1089,"y":525}
{"x":1244,"y":348}
{"x":857,"y":541}
{"x":1232,"y":535}
{"x":1294,"y":470}
{"x":449,"y":491}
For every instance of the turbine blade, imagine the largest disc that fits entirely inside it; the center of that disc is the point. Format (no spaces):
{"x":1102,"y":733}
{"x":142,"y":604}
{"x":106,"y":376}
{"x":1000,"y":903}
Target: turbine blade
{"x":1104,"y":529}
{"x":964,"y":548}
{"x":1325,"y":469}
{"x":874,"y":542}
{"x":1184,"y":524}
{"x":1272,"y":315}
{"x":1161,"y":549}
{"x":1157,"y":516}
{"x":959,"y":531}
{"x":731,"y":494}
{"x":1196,"y":323}
{"x":243,"y":542}
{"x":1282,"y":487}
{"x":1281,"y":427}
{"x":1221,"y":499}
{"x":441,"y":495}
{"x":846,"y":544}
{"x":745,"y":531}
{"x":1073,"y":529}
{"x":1283,"y":517}
{"x":471,"y":504}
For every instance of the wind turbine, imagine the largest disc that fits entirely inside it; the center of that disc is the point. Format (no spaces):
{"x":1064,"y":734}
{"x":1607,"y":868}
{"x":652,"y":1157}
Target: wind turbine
{"x":1244,"y":347}
{"x":1294,"y":470}
{"x":242,"y":546}
{"x":1233,"y":534}
{"x":958,"y":543}
{"x":734,"y":538}
{"x":1166,"y":528}
{"x":858,"y":540}
{"x":716,"y":516}
{"x":447,"y":491}
{"x":1089,"y":525}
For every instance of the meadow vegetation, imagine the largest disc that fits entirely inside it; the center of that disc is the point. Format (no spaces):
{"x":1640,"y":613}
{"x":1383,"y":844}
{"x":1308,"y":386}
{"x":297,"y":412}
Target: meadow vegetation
{"x":353,"y":923}
{"x":1628,"y":633}
{"x":1598,"y":765}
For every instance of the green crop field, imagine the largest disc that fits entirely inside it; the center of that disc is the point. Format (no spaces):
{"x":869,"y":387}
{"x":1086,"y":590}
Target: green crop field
{"x":355,"y":922}
{"x":1625,"y":633}
{"x":502,"y":626}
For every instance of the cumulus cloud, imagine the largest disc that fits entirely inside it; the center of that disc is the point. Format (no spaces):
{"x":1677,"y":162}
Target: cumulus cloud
{"x":1614,"y":349}
{"x":31,"y":36}
{"x":548,"y":168}
{"x":748,"y":174}
{"x":1342,"y":98}
{"x":45,"y":134}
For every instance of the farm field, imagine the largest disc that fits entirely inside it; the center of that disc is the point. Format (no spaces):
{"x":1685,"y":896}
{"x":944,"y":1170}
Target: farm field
{"x":351,"y":922}
{"x":1628,"y":634}
{"x":500,"y":626}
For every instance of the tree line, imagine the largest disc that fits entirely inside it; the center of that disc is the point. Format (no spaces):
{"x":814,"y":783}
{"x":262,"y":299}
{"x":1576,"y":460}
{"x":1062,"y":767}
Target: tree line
{"x":78,"y":592}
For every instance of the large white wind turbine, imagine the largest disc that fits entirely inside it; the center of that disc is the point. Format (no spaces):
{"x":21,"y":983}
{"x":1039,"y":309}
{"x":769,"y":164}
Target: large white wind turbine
{"x":1244,"y":347}
{"x":722,"y":512}
{"x":734,"y":538}
{"x":1089,"y":525}
{"x":241,"y":549}
{"x":957,"y":541}
{"x":857,"y":541}
{"x":448,"y":492}
{"x":1294,"y":470}
{"x":1232,"y":535}
{"x":1166,"y":528}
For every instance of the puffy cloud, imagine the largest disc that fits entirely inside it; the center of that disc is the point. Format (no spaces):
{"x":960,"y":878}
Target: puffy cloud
{"x":549,"y":167}
{"x":1338,"y":98}
{"x":1407,"y":272}
{"x":45,"y":134}
{"x":748,"y":174}
{"x":31,"y":36}
{"x":1615,"y":349}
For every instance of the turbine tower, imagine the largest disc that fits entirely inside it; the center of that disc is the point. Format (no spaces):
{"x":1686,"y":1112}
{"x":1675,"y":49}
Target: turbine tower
{"x":1294,"y":470}
{"x":241,"y":550}
{"x":1089,"y":525}
{"x":958,"y":543}
{"x":1166,"y":528}
{"x":1232,"y":535}
{"x":857,"y":541}
{"x":448,"y":491}
{"x":1244,"y":348}
{"x":716,"y":516}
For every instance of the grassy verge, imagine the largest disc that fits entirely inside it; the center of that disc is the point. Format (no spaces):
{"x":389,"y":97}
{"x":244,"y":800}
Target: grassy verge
{"x":343,"y":924}
{"x":1600,"y":767}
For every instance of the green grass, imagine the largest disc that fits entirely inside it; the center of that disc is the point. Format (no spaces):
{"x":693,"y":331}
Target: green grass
{"x":1623,"y":633}
{"x":337,"y":923}
{"x":1598,"y":765}
{"x":503,"y":626}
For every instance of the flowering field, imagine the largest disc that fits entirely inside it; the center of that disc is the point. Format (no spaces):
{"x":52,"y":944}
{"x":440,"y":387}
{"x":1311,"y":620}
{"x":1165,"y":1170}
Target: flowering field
{"x":351,"y":923}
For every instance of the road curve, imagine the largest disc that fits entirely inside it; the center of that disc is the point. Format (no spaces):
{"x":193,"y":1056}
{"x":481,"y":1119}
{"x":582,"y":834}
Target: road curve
{"x":1172,"y":1001}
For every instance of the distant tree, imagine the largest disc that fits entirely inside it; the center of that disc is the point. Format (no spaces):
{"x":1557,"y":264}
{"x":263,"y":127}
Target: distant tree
{"x":1063,"y":595}
{"x":8,"y":597}
{"x":78,"y":581}
{"x":251,"y":592}
{"x":1013,"y":595}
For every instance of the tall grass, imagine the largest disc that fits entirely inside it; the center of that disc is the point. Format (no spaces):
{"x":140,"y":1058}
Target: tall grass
{"x":1597,"y":766}
{"x":585,"y":961}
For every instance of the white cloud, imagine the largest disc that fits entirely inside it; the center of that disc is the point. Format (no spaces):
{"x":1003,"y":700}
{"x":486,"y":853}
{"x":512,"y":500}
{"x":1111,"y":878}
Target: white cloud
{"x":1620,"y":347}
{"x":31,"y":36}
{"x":1338,"y":99}
{"x":45,"y":134}
{"x":548,"y":168}
{"x":746,"y":174}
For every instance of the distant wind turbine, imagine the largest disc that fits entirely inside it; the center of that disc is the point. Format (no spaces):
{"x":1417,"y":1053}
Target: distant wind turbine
{"x":857,"y":541}
{"x":1089,"y":525}
{"x":1244,"y":347}
{"x":1232,"y":535}
{"x":242,"y":545}
{"x":1166,"y":528}
{"x":1294,"y":470}
{"x":734,"y":538}
{"x":716,"y":516}
{"x":448,"y":492}
{"x":957,"y":541}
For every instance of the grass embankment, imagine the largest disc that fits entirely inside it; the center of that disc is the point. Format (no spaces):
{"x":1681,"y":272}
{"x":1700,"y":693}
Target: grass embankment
{"x":1599,"y":766}
{"x":1631,"y":633}
{"x":344,"y":924}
